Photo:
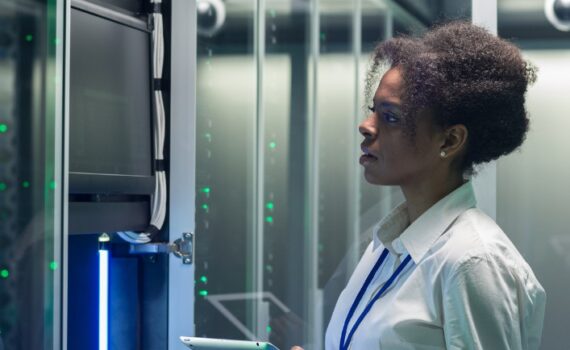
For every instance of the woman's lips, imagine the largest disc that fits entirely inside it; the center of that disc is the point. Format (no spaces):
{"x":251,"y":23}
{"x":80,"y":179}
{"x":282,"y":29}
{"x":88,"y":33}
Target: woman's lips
{"x":367,"y":157}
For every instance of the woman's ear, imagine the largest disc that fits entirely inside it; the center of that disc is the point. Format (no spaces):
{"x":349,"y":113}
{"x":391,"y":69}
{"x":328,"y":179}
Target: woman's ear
{"x":454,"y":141}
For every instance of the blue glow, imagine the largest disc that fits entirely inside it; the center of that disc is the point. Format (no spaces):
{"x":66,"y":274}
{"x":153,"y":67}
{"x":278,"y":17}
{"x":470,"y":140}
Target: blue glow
{"x":103,"y":299}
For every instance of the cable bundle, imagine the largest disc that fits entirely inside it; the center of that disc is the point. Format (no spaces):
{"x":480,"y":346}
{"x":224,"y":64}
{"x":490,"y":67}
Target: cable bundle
{"x":158,"y":200}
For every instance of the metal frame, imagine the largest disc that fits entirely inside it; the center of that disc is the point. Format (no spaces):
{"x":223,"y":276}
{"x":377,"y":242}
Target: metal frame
{"x":258,"y":236}
{"x":182,"y":167}
{"x":110,"y":14}
{"x":65,"y":33}
{"x":312,"y":236}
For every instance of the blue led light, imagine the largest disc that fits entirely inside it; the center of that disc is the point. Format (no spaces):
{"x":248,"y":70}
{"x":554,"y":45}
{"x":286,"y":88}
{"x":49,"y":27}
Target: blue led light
{"x":103,"y":298}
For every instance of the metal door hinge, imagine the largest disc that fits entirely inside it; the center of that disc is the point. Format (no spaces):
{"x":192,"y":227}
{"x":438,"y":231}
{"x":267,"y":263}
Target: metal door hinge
{"x":183,"y":248}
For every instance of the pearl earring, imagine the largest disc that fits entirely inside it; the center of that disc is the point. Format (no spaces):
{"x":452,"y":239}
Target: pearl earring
{"x":442,"y":154}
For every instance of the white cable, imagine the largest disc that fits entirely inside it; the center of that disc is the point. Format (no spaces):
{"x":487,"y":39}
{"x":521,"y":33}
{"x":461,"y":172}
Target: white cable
{"x":158,"y":199}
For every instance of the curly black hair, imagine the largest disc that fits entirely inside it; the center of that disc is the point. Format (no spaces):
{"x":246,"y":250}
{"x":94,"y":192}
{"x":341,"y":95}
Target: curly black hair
{"x":463,"y":75}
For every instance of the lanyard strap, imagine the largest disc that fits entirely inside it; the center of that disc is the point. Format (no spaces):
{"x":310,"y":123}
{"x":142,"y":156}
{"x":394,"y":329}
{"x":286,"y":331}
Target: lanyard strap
{"x":344,"y":341}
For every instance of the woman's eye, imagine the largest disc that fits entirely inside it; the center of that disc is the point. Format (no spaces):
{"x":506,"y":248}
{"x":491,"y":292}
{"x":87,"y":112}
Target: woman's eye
{"x":390,"y":118}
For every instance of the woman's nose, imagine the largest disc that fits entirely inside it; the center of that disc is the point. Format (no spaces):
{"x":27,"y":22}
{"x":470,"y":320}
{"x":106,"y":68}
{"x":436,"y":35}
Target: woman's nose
{"x":367,"y":129}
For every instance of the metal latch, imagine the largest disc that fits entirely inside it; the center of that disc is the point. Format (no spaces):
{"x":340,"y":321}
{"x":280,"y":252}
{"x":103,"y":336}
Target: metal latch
{"x":182,"y":247}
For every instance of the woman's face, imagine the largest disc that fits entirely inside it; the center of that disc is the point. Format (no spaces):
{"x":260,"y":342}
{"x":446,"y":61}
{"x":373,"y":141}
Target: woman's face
{"x":390,"y":156}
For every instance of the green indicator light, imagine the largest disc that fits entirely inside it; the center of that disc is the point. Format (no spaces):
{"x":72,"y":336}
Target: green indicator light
{"x":204,"y":279}
{"x":53,"y":265}
{"x":268,"y":328}
{"x":203,"y":293}
{"x":206,"y":189}
{"x":3,"y":128}
{"x":269,"y":268}
{"x":52,"y":185}
{"x":3,"y":186}
{"x":25,"y":184}
{"x":205,"y":206}
{"x":4,"y":273}
{"x":323,"y":36}
{"x":208,"y":137}
{"x":29,"y":37}
{"x":269,"y":219}
{"x":272,"y":145}
{"x":270,"y":205}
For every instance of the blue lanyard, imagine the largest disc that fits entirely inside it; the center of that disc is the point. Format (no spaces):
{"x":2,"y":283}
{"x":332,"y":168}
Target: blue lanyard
{"x":345,"y":342}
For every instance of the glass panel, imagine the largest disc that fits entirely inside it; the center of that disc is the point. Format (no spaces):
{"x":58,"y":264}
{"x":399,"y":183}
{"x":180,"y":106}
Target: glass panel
{"x":225,"y":172}
{"x":30,"y":174}
{"x":285,"y":213}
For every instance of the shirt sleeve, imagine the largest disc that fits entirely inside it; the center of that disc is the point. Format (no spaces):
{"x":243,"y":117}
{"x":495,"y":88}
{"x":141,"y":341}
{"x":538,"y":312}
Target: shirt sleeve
{"x":485,"y":306}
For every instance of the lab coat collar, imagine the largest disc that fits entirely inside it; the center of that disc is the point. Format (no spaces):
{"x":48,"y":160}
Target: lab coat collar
{"x":399,"y":237}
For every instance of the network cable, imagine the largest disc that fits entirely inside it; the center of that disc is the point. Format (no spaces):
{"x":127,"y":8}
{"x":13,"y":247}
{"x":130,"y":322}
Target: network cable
{"x":158,"y":199}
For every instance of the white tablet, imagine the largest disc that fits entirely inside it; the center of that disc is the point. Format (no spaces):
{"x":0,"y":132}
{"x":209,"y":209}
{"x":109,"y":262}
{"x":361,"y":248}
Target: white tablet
{"x":225,"y":344}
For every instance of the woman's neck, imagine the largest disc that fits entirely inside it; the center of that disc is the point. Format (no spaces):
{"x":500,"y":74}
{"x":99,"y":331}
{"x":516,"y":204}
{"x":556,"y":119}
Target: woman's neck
{"x":421,"y":196}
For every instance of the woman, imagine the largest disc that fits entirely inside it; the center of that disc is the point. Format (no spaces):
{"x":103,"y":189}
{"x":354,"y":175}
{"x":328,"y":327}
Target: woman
{"x":440,"y":274}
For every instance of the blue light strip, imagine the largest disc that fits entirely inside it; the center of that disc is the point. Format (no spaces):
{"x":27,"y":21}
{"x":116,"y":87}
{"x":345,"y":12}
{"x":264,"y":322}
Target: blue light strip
{"x":103,"y":298}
